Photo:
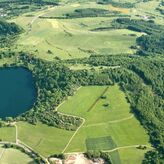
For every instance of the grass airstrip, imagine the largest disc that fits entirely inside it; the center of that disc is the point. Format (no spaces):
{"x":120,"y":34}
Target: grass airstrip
{"x":106,"y":127}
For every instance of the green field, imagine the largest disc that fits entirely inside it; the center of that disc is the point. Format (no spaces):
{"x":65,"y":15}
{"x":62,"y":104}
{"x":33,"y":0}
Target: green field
{"x":72,"y":38}
{"x":7,"y":134}
{"x":115,"y":157}
{"x":42,"y":138}
{"x":13,"y":156}
{"x":115,"y":120}
{"x":131,"y":155}
{"x":101,"y":124}
{"x":102,"y":143}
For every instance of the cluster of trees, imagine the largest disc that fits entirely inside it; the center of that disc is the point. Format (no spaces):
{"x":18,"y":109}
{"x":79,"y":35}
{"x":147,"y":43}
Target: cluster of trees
{"x":7,"y":54}
{"x":12,"y":8}
{"x":98,"y":154}
{"x":54,"y":83}
{"x":117,"y":4}
{"x":152,"y":72}
{"x":148,"y":27}
{"x":90,"y":12}
{"x":52,"y":118}
{"x":8,"y":32}
{"x":23,"y":2}
{"x":9,"y":28}
{"x":160,"y":10}
{"x":151,"y":44}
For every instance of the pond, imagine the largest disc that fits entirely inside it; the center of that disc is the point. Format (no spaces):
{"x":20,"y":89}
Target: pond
{"x":17,"y":91}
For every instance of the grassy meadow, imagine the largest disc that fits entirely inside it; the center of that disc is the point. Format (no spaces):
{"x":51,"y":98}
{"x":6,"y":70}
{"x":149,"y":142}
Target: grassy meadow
{"x":131,"y":155}
{"x":42,"y":138}
{"x":115,"y":120}
{"x":7,"y":134}
{"x":111,"y":126}
{"x":13,"y":156}
{"x":72,"y":38}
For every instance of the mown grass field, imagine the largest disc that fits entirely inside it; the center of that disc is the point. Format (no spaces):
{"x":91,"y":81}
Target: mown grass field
{"x":83,"y":99}
{"x":13,"y":156}
{"x":115,"y":120}
{"x":131,"y":155}
{"x":7,"y":134}
{"x":42,"y":138}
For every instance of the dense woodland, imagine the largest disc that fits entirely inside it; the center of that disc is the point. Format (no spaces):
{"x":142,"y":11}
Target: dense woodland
{"x":116,"y":4}
{"x":8,"y":32}
{"x":91,"y":12}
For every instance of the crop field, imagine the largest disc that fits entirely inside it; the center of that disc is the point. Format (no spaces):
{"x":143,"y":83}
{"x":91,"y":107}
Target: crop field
{"x":102,"y":143}
{"x":13,"y":156}
{"x":72,"y":38}
{"x":7,"y":134}
{"x":115,"y":157}
{"x":42,"y":138}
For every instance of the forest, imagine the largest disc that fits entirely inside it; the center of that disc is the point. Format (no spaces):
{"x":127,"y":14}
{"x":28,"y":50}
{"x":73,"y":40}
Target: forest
{"x":8,"y":32}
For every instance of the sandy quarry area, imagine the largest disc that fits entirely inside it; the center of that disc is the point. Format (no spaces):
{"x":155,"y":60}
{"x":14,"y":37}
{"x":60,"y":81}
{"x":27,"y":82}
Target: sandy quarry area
{"x":77,"y":159}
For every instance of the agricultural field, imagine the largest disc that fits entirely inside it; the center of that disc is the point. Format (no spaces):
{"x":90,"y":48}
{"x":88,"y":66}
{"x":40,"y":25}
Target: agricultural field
{"x":13,"y":156}
{"x":43,"y":139}
{"x":7,"y":134}
{"x":134,"y":155}
{"x":101,"y":122}
{"x":72,"y":38}
{"x":105,"y":127}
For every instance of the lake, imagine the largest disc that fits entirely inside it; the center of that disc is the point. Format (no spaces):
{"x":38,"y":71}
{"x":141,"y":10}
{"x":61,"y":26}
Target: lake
{"x":17,"y":91}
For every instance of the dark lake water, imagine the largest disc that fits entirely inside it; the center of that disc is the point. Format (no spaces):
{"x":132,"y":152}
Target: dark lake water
{"x":17,"y":91}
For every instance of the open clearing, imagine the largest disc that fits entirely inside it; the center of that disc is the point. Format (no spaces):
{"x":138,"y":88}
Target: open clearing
{"x":13,"y":156}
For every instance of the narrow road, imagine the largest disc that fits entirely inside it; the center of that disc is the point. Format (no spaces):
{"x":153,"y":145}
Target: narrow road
{"x":37,"y":16}
{"x":31,"y":149}
{"x":74,"y":135}
{"x":16,"y":133}
{"x":125,"y":147}
{"x":3,"y":150}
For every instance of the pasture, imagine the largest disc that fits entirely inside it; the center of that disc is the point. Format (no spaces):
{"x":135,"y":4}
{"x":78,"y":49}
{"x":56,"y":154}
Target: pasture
{"x":7,"y":134}
{"x":13,"y":156}
{"x":132,"y":155}
{"x":114,"y":120}
{"x":110,"y":126}
{"x":42,"y":138}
